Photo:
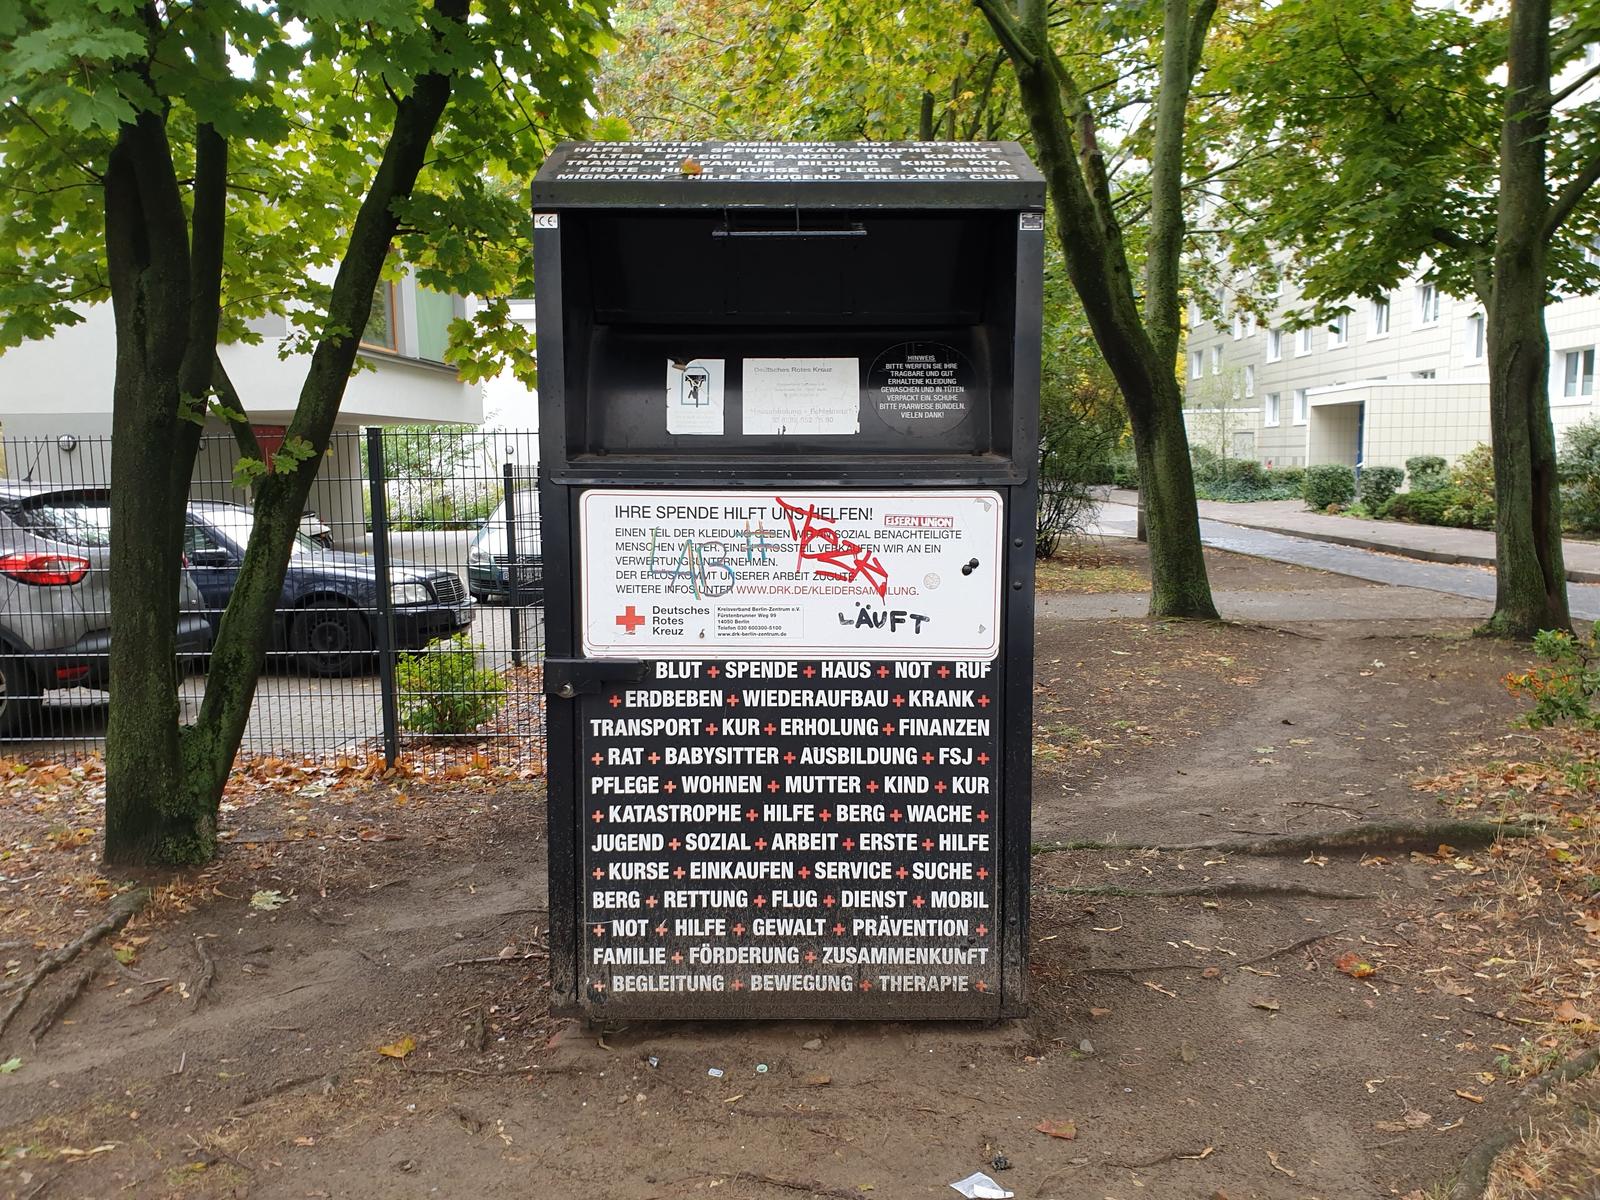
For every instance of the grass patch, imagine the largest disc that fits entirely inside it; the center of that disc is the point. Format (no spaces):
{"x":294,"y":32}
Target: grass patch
{"x":1087,"y":571}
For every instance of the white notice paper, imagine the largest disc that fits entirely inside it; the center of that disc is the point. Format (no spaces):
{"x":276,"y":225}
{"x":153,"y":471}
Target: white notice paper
{"x":789,"y":396}
{"x":694,"y":395}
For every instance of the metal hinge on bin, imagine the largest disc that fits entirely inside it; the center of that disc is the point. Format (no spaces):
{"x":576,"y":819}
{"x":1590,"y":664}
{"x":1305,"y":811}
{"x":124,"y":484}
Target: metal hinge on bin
{"x":571,"y":677}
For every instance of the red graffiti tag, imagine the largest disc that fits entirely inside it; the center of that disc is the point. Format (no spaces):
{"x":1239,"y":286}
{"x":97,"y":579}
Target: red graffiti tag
{"x":819,"y":542}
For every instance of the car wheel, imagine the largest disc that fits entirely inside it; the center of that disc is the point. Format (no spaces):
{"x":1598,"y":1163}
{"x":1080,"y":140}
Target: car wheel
{"x":330,"y":638}
{"x":20,"y":712}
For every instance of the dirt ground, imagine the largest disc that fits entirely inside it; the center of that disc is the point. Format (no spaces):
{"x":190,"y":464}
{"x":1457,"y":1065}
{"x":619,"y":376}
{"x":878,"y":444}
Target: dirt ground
{"x":1192,"y":1046}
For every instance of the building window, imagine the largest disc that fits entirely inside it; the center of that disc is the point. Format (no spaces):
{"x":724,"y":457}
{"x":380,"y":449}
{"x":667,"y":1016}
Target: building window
{"x":1196,"y":319}
{"x":1428,"y":374}
{"x":1302,"y":342}
{"x":1249,"y":381}
{"x":1427,"y":304}
{"x":1274,"y":345}
{"x":1578,"y":377}
{"x":1269,"y":411}
{"x":1591,"y":251}
{"x":1380,"y":317}
{"x":1477,"y":337}
{"x":1249,"y":324}
{"x":1339,"y":330}
{"x":1216,"y":360}
{"x":1302,"y":406}
{"x":383,"y":329}
{"x":1197,"y":363}
{"x":1238,"y":324}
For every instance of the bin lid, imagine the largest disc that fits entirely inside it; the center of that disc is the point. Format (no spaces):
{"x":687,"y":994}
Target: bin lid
{"x":936,"y":175}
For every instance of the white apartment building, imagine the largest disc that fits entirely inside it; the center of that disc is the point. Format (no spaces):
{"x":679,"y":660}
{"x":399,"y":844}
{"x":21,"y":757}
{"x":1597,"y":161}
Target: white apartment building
{"x":1389,"y":379}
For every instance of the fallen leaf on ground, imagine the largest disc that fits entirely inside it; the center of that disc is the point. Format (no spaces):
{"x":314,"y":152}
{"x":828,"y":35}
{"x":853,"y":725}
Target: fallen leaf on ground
{"x":1353,"y":965}
{"x":400,"y":1048}
{"x":1265,"y":1002}
{"x":817,"y":1080}
{"x":1451,"y":988}
{"x":1211,"y":972}
{"x":1097,"y":1013}
{"x":266,"y":901}
{"x":1272,"y":1157}
{"x":1472,"y":1096}
{"x":1413,"y":1119}
{"x":11,"y":1066}
{"x":1065,"y":1130}
{"x":1206,"y":1153}
{"x":1568,"y":1011}
{"x":1156,"y":987}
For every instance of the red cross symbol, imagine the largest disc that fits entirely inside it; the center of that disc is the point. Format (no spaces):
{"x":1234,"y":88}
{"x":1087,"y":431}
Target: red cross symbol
{"x":940,"y":787}
{"x":888,"y":727}
{"x":901,"y":873}
{"x":677,"y":957}
{"x":596,"y":759}
{"x":838,"y":929}
{"x":713,"y":672}
{"x":761,"y":843}
{"x":733,"y":700}
{"x":661,"y":929}
{"x":615,"y":702}
{"x":769,"y":729}
{"x":825,"y":815}
{"x":883,"y":672}
{"x":811,"y":956}
{"x":738,"y":930}
{"x":983,"y":814}
{"x":759,"y":902}
{"x":630,"y":620}
{"x":599,"y":987}
{"x":738,"y":985}
{"x":983,"y":702}
{"x":711,"y":728}
{"x":598,"y":873}
{"x":829,"y":901}
{"x":654,"y":758}
{"x":598,"y":816}
{"x":918,"y":901}
{"x":788,"y":757}
{"x":896,"y":815}
{"x":983,"y":872}
{"x":926,"y":758}
{"x":981,"y":986}
{"x":649,"y":901}
{"x":982,"y":929}
{"x":866,"y":986}
{"x":772,"y":785}
{"x":678,"y":872}
{"x":809,"y":672}
{"x":944,"y":672}
{"x":849,"y":843}
{"x":927,"y":843}
{"x":804,"y":872}
{"x":674,"y":844}
{"x":898,"y":701}
{"x":872,"y":785}
{"x":983,"y":760}
{"x":599,"y":931}
{"x":750,"y":814}
{"x":669,"y":787}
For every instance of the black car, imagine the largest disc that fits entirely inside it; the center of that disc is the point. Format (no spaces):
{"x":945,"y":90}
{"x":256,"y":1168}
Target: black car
{"x":327,"y":613}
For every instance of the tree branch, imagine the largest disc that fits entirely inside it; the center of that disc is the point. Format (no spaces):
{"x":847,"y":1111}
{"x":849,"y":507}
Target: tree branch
{"x":1570,"y":197}
{"x":244,"y":434}
{"x":1006,"y":32}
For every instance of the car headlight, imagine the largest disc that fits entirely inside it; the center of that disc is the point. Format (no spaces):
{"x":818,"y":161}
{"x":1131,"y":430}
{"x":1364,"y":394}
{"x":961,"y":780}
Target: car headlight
{"x":410,"y":593}
{"x":477,"y":557}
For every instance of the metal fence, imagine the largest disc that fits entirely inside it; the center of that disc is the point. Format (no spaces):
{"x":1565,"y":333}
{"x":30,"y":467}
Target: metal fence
{"x":410,"y":625}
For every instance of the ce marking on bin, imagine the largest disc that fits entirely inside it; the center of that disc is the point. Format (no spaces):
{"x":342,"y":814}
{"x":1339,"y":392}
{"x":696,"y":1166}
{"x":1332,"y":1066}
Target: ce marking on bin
{"x":546,"y":221}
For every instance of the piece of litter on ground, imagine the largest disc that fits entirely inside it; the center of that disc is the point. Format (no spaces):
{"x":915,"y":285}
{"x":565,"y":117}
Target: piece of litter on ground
{"x":653,"y":1061}
{"x":715,"y":1072}
{"x":813,"y":1044}
{"x":761,"y":1068}
{"x":979,"y":1186}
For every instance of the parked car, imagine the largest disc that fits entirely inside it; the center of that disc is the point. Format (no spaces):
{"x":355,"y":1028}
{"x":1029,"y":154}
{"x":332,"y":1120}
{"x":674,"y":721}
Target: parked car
{"x":489,"y":560}
{"x":327,"y":613}
{"x":315,"y":528}
{"x":55,"y":600}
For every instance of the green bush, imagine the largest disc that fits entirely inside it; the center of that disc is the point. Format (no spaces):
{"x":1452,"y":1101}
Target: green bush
{"x":1428,"y":472}
{"x":1579,"y":467}
{"x":1425,"y":508}
{"x":1473,"y":480}
{"x":1124,"y":469}
{"x":1378,"y":484}
{"x":1288,"y":477}
{"x":1564,"y":690}
{"x":1328,"y":483}
{"x":443,"y":690}
{"x":1236,"y":479}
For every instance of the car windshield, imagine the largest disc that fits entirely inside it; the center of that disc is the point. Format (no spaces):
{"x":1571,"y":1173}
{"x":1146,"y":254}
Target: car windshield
{"x":235,"y":522}
{"x":491,"y":534}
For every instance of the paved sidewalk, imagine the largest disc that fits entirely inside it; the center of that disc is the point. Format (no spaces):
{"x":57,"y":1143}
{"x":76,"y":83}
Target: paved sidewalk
{"x":1431,"y":543}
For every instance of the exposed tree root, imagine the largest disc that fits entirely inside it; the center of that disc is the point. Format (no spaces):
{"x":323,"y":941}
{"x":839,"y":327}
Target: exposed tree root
{"x":1211,"y":889}
{"x":60,"y":1004}
{"x":123,"y":907}
{"x":208,"y":973}
{"x":1147,"y":968}
{"x":1574,"y":1068}
{"x":1380,"y":835}
{"x":815,"y":1188}
{"x":1472,"y":1176}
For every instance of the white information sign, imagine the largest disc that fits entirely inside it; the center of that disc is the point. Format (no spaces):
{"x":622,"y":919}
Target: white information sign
{"x":790,"y":574}
{"x":790,"y":396}
{"x":694,"y":395}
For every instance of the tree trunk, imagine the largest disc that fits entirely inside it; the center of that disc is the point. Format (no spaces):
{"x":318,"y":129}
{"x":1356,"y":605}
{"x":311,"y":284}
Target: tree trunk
{"x":1530,"y":575}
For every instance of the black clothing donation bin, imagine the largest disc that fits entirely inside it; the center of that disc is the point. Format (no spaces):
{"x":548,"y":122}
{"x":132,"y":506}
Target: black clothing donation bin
{"x":788,"y":402}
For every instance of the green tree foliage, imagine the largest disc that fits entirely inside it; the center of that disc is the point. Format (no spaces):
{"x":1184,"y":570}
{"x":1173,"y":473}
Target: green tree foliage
{"x":203,"y":163}
{"x":1396,"y":135}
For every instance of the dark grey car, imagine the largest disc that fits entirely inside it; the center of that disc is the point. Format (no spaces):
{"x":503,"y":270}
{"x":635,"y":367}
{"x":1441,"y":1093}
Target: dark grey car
{"x":55,"y":603}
